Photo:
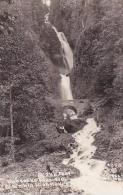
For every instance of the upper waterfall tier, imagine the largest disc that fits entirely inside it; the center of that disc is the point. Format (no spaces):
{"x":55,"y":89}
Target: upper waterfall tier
{"x":66,"y":50}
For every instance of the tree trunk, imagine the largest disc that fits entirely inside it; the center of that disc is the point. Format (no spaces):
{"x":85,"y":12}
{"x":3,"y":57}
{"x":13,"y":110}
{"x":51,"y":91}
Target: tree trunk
{"x":12,"y":127}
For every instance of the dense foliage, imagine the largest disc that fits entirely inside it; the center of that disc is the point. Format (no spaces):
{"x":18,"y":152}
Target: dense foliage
{"x":27,"y":72}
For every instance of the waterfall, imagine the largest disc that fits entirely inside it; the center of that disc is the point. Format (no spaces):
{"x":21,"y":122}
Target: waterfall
{"x":67,"y":51}
{"x":91,"y":178}
{"x":65,"y":88}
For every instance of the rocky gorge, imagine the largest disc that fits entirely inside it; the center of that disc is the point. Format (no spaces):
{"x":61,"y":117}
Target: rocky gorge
{"x":94,"y":31}
{"x":46,"y":90}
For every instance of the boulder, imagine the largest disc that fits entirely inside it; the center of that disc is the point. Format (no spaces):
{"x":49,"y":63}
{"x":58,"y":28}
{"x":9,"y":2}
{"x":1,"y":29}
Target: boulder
{"x":72,"y":126}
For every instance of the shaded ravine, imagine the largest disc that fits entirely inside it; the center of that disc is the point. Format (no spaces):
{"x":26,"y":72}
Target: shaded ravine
{"x":91,"y":178}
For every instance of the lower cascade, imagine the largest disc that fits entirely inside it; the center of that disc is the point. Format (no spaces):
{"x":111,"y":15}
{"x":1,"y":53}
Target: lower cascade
{"x":91,"y":170}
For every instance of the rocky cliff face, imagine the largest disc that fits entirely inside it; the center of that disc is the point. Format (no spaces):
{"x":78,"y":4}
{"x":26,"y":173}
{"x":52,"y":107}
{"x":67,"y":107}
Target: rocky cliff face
{"x":66,"y":15}
{"x":94,"y":29}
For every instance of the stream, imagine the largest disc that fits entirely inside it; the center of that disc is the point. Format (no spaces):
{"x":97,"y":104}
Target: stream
{"x":91,"y":179}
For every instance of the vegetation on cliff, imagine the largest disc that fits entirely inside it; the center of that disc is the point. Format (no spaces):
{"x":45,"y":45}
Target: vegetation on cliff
{"x":27,"y":82}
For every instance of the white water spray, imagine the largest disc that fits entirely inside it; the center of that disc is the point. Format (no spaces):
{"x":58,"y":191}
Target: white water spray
{"x":91,"y":179}
{"x":47,"y":2}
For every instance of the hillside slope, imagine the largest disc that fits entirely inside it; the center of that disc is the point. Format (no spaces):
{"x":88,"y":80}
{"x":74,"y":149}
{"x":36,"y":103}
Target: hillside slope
{"x":28,"y":71}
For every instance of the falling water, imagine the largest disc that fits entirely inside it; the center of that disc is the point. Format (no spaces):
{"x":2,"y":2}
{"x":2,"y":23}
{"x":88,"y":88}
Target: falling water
{"x":65,"y":88}
{"x":66,"y":92}
{"x":67,"y":51}
{"x":67,"y":54}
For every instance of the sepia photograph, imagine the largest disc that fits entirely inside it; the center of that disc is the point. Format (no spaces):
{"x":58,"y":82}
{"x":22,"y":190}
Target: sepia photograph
{"x":61,"y":97}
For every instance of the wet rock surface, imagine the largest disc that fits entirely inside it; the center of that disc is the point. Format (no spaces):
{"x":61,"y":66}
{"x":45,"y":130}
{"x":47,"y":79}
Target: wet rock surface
{"x":73,"y":126}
